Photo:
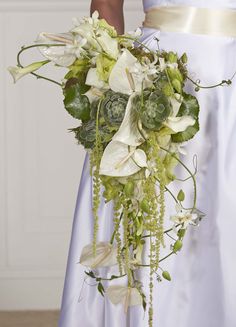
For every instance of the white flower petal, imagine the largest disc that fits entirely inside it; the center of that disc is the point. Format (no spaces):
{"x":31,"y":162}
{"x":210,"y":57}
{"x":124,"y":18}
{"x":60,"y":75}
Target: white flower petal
{"x":108,"y":44}
{"x":128,"y":132}
{"x":117,"y":161}
{"x":105,"y":255}
{"x":57,"y":54}
{"x":140,"y":158}
{"x":179,"y":124}
{"x":118,"y":80}
{"x":135,"y":297}
{"x":93,"y":79}
{"x":17,"y":72}
{"x":116,"y":293}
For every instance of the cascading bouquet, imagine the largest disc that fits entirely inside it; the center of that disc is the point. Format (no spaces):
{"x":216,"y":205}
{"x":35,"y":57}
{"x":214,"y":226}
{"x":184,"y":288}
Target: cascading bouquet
{"x":134,"y":117}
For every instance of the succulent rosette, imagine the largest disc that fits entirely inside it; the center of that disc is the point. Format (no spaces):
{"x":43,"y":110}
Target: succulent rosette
{"x":135,"y":116}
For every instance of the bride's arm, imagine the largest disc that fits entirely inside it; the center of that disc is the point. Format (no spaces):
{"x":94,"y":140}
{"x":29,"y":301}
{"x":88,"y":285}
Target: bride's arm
{"x":112,"y":11}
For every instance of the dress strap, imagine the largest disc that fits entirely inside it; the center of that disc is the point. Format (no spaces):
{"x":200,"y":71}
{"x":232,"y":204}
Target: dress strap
{"x":188,"y":19}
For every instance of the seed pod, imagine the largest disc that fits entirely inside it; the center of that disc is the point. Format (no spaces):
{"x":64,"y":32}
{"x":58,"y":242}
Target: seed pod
{"x":177,"y":246}
{"x":166,"y":275}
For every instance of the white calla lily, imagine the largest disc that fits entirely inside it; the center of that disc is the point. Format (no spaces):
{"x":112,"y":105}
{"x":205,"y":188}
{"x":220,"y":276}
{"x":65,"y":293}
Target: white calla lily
{"x":120,"y":79}
{"x":105,"y":256}
{"x":121,"y":160}
{"x":179,"y":124}
{"x":128,"y":133}
{"x":129,"y":296}
{"x":18,"y":72}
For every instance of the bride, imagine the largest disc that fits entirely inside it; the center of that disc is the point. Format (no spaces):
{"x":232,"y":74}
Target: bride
{"x":203,"y":290}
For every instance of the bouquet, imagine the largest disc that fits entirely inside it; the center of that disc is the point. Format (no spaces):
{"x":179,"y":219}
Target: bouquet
{"x":134,"y":119}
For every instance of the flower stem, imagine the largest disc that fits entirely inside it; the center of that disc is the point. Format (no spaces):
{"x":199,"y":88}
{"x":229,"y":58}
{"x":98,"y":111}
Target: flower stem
{"x":35,"y":46}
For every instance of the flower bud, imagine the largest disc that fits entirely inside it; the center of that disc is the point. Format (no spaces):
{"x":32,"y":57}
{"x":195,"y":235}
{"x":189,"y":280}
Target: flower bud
{"x":166,"y":275}
{"x":177,"y":246}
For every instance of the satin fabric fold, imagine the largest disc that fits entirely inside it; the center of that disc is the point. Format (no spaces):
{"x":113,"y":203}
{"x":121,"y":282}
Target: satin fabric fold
{"x":189,"y":19}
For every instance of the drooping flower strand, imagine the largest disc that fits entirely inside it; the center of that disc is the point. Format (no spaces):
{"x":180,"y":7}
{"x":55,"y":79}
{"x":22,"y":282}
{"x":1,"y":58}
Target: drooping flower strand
{"x":117,"y":216}
{"x":126,"y":234}
{"x":96,"y":158}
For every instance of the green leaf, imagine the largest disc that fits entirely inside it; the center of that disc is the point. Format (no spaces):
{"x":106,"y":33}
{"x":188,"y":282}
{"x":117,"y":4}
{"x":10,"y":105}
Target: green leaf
{"x":101,"y":289}
{"x":189,"y":107}
{"x":75,"y":102}
{"x":166,"y":275}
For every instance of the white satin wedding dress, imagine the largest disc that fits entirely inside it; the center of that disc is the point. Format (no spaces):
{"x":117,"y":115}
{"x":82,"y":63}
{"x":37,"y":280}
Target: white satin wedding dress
{"x":203,"y":290}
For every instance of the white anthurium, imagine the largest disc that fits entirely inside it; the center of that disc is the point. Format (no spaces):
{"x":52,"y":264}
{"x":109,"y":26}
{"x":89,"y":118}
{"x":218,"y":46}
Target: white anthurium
{"x":129,"y":296}
{"x":18,"y":72}
{"x":108,"y":44}
{"x":106,"y":255}
{"x":128,"y":132}
{"x":92,"y":79}
{"x":120,"y":79}
{"x":185,"y":217}
{"x":179,"y":124}
{"x":64,"y":55}
{"x":86,"y":31}
{"x":121,"y":160}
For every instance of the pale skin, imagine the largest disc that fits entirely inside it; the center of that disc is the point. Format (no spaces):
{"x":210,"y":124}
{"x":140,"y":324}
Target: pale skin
{"x":112,"y":11}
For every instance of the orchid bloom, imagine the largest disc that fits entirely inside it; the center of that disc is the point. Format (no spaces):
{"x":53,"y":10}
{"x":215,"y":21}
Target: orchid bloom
{"x":18,"y":72}
{"x":129,"y":296}
{"x":105,"y":255}
{"x":184,"y":217}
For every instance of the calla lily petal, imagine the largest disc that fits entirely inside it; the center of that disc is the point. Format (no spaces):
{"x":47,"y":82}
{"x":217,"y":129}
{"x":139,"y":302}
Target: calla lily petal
{"x":105,"y":255}
{"x":179,"y":124}
{"x":18,"y":72}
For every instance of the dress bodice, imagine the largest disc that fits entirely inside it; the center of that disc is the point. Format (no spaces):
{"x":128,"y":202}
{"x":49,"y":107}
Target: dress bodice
{"x":147,"y":4}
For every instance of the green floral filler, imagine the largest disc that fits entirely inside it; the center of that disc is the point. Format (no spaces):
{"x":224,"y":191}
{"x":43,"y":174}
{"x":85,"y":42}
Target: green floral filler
{"x":134,"y":115}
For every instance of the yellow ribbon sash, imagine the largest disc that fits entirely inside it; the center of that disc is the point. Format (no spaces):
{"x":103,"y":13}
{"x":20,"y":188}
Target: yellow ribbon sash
{"x":187,"y":19}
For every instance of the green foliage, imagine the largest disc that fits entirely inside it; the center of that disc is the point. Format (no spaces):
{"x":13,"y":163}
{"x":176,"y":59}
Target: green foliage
{"x":76,"y":104}
{"x":104,"y":66}
{"x":181,"y":195}
{"x":189,"y":107}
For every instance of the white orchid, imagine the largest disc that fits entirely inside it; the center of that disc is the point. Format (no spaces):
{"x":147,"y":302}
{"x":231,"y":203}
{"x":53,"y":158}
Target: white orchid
{"x":18,"y":72}
{"x":129,"y":296}
{"x":106,"y":255}
{"x":71,"y":47}
{"x":144,"y":71}
{"x":184,"y":217}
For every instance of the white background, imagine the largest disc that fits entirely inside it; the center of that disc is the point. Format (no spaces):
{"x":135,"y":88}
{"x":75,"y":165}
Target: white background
{"x":40,"y":162}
